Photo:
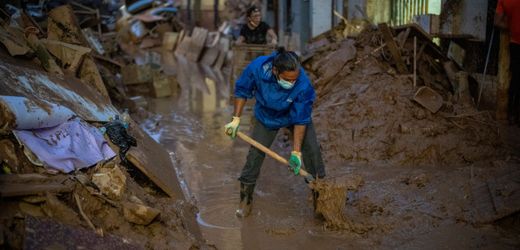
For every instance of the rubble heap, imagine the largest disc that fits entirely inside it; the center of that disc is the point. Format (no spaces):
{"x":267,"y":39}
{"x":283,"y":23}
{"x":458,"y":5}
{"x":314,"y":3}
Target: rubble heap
{"x":58,"y":84}
{"x":369,"y":113}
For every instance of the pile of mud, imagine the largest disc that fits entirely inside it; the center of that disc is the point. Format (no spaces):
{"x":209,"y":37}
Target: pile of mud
{"x":365,"y":111}
{"x":91,"y":209}
{"x":330,"y":202}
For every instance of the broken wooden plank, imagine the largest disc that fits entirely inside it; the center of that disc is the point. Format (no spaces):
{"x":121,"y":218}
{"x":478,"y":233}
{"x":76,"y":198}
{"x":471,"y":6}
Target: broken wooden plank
{"x":423,"y":36}
{"x":14,"y":185}
{"x":392,"y":46}
{"x":402,"y":37}
{"x":503,"y":76}
{"x":108,"y":60}
{"x":197,"y":41}
{"x":151,"y":158}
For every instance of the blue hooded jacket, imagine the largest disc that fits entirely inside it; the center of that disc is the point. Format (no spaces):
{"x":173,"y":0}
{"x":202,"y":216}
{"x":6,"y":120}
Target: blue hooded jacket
{"x":275,"y":106}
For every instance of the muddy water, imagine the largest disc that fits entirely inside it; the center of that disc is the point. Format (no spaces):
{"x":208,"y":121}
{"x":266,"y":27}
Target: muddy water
{"x":405,"y":207}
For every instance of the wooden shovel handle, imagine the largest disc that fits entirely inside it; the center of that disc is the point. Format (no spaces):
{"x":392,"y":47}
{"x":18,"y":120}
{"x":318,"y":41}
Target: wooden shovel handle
{"x":269,"y":152}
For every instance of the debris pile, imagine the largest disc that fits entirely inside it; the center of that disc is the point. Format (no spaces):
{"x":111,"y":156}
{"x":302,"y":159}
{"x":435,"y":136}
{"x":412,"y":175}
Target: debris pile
{"x":60,"y":133}
{"x":371,"y":110}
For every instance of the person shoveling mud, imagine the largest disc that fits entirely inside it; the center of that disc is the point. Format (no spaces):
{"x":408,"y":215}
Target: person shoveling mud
{"x":328,"y":193}
{"x":284,"y":97}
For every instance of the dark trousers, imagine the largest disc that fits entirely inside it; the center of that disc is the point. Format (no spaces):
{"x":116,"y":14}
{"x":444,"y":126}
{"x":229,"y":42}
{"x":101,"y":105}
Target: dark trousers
{"x":311,"y":154}
{"x":513,"y":108}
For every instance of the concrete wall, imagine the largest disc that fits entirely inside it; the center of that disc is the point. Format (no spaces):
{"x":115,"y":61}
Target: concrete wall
{"x":321,"y":16}
{"x":468,"y":17}
{"x":353,"y":12}
{"x":301,"y":21}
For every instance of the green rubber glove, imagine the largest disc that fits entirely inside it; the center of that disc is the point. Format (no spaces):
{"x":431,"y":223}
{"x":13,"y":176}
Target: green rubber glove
{"x":295,"y":162}
{"x":232,"y":127}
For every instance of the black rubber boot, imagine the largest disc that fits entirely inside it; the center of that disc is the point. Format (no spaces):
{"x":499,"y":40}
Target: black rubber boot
{"x":246,"y":200}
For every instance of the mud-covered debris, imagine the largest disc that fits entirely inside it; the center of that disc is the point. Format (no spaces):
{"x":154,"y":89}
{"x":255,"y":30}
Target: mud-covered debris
{"x":382,"y":122}
{"x":56,"y":208}
{"x":330,"y":203}
{"x":419,"y":181}
{"x":31,"y":209}
{"x":8,"y":153}
{"x":110,"y":180}
{"x":69,"y":55}
{"x":428,"y":98}
{"x":139,"y":213}
{"x":14,"y":41}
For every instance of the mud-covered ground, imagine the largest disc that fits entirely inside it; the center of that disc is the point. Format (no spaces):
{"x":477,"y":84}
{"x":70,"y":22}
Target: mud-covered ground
{"x":406,"y":206}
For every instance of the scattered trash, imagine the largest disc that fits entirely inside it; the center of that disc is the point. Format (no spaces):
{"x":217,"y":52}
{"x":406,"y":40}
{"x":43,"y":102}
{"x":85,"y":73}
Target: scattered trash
{"x":67,"y":147}
{"x":118,"y":134}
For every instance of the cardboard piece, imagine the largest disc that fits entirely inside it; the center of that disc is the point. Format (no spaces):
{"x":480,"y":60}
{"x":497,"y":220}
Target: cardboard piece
{"x":68,"y":55}
{"x":63,"y":26}
{"x":89,"y":73}
{"x":13,"y":41}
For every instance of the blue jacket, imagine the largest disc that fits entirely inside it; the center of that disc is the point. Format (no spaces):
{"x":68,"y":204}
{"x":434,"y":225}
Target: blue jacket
{"x":275,"y":106}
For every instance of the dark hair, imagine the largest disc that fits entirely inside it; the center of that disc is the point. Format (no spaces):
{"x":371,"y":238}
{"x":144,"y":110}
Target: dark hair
{"x":251,"y":10}
{"x":286,"y":60}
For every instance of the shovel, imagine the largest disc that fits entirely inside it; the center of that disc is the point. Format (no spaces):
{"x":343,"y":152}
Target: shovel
{"x":274,"y":155}
{"x":329,"y":196}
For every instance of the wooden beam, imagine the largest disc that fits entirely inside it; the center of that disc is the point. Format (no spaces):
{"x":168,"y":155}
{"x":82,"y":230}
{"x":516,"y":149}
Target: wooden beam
{"x":503,"y":76}
{"x":14,"y":185}
{"x":392,"y":46}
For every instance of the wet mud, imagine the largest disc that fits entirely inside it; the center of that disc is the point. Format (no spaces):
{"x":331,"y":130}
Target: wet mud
{"x":365,"y":204}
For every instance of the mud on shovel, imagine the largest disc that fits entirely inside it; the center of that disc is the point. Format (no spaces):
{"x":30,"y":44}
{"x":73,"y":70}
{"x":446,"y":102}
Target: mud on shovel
{"x":329,"y":194}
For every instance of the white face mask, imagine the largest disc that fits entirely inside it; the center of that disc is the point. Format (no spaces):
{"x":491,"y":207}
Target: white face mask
{"x":285,"y":84}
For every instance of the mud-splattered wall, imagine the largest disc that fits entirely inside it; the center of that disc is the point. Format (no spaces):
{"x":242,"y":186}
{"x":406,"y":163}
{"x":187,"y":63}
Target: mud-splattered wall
{"x":464,"y":18}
